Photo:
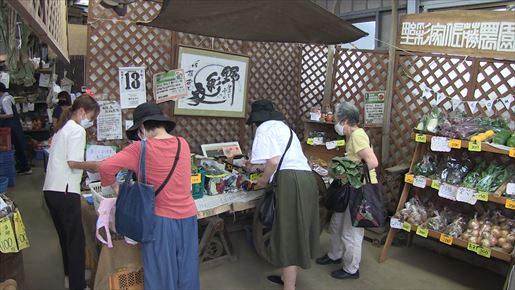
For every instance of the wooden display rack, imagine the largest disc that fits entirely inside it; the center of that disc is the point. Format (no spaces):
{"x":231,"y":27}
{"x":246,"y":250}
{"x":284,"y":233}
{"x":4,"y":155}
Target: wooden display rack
{"x":423,"y":143}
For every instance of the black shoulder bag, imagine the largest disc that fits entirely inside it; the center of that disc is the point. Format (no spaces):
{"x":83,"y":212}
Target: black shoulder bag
{"x":267,"y":207}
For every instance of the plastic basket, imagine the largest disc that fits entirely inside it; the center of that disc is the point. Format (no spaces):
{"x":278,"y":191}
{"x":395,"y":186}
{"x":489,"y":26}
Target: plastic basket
{"x":5,"y":139}
{"x":4,"y":181}
{"x":197,"y":190}
{"x":98,"y":195}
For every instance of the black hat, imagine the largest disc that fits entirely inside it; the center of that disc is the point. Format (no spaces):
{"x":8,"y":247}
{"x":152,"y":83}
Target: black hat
{"x":147,"y":112}
{"x":262,"y":111}
{"x":3,"y":88}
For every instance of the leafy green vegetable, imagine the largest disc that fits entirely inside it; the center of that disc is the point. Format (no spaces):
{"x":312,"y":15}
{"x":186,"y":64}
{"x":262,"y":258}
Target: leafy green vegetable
{"x":352,"y":171}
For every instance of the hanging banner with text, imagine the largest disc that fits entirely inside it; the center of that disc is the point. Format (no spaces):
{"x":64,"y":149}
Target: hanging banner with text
{"x":109,"y":121}
{"x":170,"y":86}
{"x":132,"y":86}
{"x":374,"y":108}
{"x":467,"y":32}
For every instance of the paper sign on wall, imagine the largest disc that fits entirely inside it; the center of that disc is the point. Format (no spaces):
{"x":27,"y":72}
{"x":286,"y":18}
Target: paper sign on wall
{"x":132,"y":87}
{"x":4,"y":78}
{"x":109,"y":121}
{"x":44,"y":80}
{"x":128,"y":124}
{"x":374,"y":108}
{"x":170,"y":86}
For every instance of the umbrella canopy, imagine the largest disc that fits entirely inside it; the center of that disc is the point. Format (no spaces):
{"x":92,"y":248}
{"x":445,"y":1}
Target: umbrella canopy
{"x":299,"y":21}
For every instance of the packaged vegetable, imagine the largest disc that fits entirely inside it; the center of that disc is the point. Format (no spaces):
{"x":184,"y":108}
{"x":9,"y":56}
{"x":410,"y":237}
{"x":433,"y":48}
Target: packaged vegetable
{"x":456,"y":228}
{"x":427,"y":166}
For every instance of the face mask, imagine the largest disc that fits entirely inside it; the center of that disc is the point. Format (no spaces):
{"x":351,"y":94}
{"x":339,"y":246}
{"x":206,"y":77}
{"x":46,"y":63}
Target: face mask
{"x":86,"y":123}
{"x":338,"y":127}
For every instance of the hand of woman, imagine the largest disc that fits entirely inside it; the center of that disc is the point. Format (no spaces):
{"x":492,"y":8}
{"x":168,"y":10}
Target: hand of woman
{"x":262,"y":182}
{"x":115,"y":187}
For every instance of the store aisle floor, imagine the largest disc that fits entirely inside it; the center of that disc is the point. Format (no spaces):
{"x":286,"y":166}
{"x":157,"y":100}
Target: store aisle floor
{"x":407,"y":268}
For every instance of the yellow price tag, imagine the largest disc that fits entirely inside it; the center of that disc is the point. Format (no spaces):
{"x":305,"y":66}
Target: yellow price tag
{"x":21,"y":234}
{"x":406,"y":226}
{"x":483,"y":196}
{"x":512,"y":152}
{"x":485,"y":252}
{"x":472,"y":247}
{"x":435,"y":184}
{"x":421,"y":138}
{"x":510,"y":204}
{"x":446,"y":239}
{"x":409,"y":178}
{"x":310,"y":141}
{"x":7,"y":239}
{"x":340,"y":143}
{"x":255,"y":176}
{"x":475,"y":146}
{"x":422,"y":232}
{"x":455,"y":143}
{"x":196,"y":179}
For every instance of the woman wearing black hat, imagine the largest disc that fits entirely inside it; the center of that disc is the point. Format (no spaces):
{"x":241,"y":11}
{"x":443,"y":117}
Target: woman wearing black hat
{"x":295,"y":233}
{"x":171,"y":259}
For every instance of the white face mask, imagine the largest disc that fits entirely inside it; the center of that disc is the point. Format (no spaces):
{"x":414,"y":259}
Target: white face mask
{"x":86,"y":123}
{"x":338,"y":127}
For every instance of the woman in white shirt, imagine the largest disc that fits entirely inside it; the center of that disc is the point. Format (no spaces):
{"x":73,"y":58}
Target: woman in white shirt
{"x":295,"y":234}
{"x":62,"y":185}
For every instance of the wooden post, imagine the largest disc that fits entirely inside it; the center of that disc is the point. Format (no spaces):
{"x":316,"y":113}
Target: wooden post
{"x":328,"y":88}
{"x":389,"y":84}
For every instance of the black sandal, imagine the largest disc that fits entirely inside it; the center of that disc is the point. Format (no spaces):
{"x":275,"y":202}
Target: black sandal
{"x":275,"y":279}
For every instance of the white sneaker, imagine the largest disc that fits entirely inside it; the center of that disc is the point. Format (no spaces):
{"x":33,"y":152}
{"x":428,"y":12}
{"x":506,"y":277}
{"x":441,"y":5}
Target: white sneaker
{"x":66,"y":282}
{"x":87,"y":275}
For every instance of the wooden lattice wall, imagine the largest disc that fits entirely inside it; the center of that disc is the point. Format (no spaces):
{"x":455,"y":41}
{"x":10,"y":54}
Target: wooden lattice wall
{"x":313,"y":77}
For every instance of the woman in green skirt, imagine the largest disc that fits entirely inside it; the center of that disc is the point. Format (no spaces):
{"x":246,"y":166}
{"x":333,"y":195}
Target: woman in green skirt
{"x":295,"y":233}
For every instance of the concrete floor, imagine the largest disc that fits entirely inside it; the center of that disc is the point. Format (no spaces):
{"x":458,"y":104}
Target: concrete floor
{"x":406,"y":268}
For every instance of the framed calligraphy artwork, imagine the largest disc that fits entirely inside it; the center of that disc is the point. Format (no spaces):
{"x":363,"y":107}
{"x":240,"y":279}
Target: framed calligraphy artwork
{"x":216,"y":83}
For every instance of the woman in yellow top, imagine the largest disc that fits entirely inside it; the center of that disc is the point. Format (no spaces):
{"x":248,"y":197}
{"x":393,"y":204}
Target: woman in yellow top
{"x":346,"y":240}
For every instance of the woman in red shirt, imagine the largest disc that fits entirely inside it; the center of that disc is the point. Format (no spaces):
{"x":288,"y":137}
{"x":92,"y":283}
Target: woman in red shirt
{"x":171,"y":259}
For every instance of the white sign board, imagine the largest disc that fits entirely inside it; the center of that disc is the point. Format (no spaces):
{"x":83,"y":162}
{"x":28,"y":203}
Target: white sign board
{"x":374,"y":108}
{"x":44,"y":80}
{"x":132,"y":86}
{"x":109,"y":121}
{"x":4,"y":78}
{"x":169,"y":86}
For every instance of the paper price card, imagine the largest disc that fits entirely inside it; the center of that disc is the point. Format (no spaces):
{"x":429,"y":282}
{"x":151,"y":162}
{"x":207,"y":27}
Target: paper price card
{"x":340,"y":143}
{"x":485,"y":252}
{"x":446,"y":239}
{"x":472,"y":247}
{"x":435,"y":184}
{"x":196,"y":179}
{"x":440,"y":144}
{"x":310,"y":141}
{"x":406,"y":227}
{"x":7,"y":239}
{"x":318,"y":141}
{"x":510,"y":189}
{"x":466,"y":195}
{"x":21,"y":235}
{"x":455,"y":143}
{"x":409,"y":178}
{"x":255,"y":176}
{"x":447,"y":191}
{"x":482,"y":196}
{"x":419,"y":181}
{"x":510,"y":204}
{"x":421,"y":138}
{"x":475,"y":146}
{"x":512,"y":152}
{"x":422,"y":232}
{"x":395,"y":223}
{"x":331,"y":145}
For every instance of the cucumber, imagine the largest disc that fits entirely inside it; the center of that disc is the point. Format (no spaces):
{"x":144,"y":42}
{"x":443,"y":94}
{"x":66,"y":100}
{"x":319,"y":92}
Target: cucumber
{"x":502,"y":137}
{"x":511,"y":141}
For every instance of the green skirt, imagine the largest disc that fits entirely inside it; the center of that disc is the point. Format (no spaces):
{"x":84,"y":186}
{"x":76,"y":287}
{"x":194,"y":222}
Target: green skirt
{"x":295,"y":237}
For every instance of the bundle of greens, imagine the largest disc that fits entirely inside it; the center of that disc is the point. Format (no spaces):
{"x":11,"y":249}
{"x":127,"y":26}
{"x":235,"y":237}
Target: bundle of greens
{"x":470,"y":181}
{"x":425,"y":167}
{"x":430,"y":122}
{"x":492,"y":178}
{"x":344,"y":168}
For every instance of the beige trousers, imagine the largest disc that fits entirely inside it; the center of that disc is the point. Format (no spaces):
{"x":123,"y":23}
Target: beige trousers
{"x":346,"y":241}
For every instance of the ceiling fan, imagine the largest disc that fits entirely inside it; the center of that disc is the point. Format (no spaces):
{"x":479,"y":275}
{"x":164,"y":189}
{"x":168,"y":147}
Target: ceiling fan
{"x":119,"y":6}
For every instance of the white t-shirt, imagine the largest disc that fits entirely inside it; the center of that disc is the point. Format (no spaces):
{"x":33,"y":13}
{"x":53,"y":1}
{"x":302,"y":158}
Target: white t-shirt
{"x":271,"y":140}
{"x":68,"y":144}
{"x":7,"y":104}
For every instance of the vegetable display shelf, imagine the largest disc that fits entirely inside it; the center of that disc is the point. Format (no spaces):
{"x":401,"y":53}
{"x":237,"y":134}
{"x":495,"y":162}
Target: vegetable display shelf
{"x":423,"y":141}
{"x":321,"y":151}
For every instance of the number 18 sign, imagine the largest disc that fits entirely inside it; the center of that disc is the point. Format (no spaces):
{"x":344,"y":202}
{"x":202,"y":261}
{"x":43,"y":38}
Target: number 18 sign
{"x":132,"y":86}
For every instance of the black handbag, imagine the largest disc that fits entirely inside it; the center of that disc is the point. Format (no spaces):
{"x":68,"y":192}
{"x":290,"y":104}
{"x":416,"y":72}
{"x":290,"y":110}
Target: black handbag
{"x":337,"y":196}
{"x":267,"y":207}
{"x":366,"y":203}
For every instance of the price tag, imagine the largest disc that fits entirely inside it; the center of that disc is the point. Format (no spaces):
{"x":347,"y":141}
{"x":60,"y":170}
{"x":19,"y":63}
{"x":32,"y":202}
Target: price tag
{"x":485,"y":252}
{"x":409,"y":178}
{"x":435,"y":184}
{"x":422,"y":232}
{"x":421,"y":138}
{"x":510,"y":203}
{"x":420,"y":181}
{"x":21,"y":235}
{"x":455,"y":143}
{"x":446,"y":239}
{"x":395,"y":223}
{"x":310,"y":141}
{"x":406,"y":226}
{"x":447,"y":191}
{"x":330,"y":145}
{"x":255,"y":176}
{"x":472,"y":247}
{"x":196,"y":179}
{"x":440,"y":144}
{"x":512,"y":152}
{"x":318,"y":141}
{"x":510,"y":189}
{"x":7,"y":239}
{"x":466,"y":195}
{"x":340,"y":143}
{"x":475,"y":146}
{"x":482,"y":196}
